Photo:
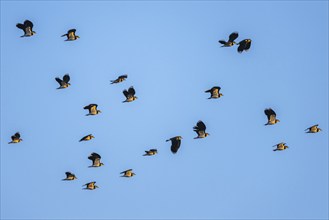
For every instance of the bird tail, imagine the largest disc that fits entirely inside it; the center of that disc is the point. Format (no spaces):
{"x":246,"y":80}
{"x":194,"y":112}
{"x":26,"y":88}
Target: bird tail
{"x":167,"y":140}
{"x":63,"y":35}
{"x":275,"y":149}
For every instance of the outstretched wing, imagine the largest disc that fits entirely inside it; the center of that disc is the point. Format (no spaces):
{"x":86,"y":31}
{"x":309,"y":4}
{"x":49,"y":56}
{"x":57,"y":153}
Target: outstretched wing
{"x":28,"y":23}
{"x":175,"y":144}
{"x":66,"y":78}
{"x":131,"y":91}
{"x":126,"y":93}
{"x":59,"y":81}
{"x":20,"y":26}
{"x":233,"y":36}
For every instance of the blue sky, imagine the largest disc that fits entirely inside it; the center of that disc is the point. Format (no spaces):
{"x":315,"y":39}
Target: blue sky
{"x":171,"y":54}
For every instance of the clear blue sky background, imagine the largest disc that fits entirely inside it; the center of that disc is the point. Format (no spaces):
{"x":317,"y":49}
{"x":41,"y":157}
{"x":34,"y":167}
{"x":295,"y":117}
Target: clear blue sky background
{"x":171,"y":54}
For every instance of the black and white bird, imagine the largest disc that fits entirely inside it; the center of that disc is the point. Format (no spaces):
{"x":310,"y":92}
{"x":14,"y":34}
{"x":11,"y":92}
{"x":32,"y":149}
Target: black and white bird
{"x":70,"y":176}
{"x":63,"y":83}
{"x":71,"y":35}
{"x":271,"y":117}
{"x":230,"y":41}
{"x":151,"y":152}
{"x":90,"y":186}
{"x":244,"y":45}
{"x":128,"y":173}
{"x":280,"y":146}
{"x":129,"y":94}
{"x":16,"y":138}
{"x":119,"y":79}
{"x":92,"y":108}
{"x":175,"y":143}
{"x":96,"y":159}
{"x":27,"y":27}
{"x":87,"y":138}
{"x":313,"y":129}
{"x":200,"y":129}
{"x":214,"y":92}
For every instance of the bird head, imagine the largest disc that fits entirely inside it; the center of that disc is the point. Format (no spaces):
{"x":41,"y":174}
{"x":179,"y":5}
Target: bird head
{"x":135,"y":97}
{"x":99,"y":111}
{"x":319,"y":129}
{"x":179,"y":138}
{"x":96,"y":186}
{"x":220,"y":95}
{"x":277,"y":120}
{"x":77,"y":37}
{"x":101,"y":164}
{"x":206,"y":134}
{"x":285,"y":147}
{"x":91,"y":136}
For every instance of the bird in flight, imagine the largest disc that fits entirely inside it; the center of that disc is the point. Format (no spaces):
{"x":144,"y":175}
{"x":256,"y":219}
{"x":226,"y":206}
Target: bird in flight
{"x":214,"y":92}
{"x":313,"y":129}
{"x":90,"y":186}
{"x":230,"y":41}
{"x":71,"y":35}
{"x":129,"y":94}
{"x":280,"y":146}
{"x":128,"y":173}
{"x":27,"y":28}
{"x":200,"y":129}
{"x":63,"y":83}
{"x":16,"y":138}
{"x":96,"y":158}
{"x":70,"y":176}
{"x":119,"y":79}
{"x":271,"y":117}
{"x":175,"y":143}
{"x":244,"y":45}
{"x":151,"y":152}
{"x":92,"y":108}
{"x":87,"y":138}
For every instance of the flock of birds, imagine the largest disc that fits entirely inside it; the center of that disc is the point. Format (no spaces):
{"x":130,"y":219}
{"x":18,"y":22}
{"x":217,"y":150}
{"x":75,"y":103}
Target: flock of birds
{"x":199,"y":128}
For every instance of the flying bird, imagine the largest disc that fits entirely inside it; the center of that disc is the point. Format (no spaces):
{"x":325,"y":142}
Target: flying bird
{"x":96,"y":158}
{"x":27,"y":28}
{"x":214,"y":92}
{"x":200,"y":129}
{"x":128,"y":173}
{"x":280,"y":146}
{"x":63,"y":83}
{"x":70,"y":176}
{"x":230,"y":41}
{"x":313,"y":129}
{"x":130,"y":94}
{"x":244,"y":45}
{"x":92,"y":108}
{"x":271,"y":117}
{"x":90,"y":186}
{"x":87,"y":138}
{"x":175,"y":143}
{"x":151,"y":152}
{"x":119,"y":79}
{"x":16,"y":138}
{"x":71,"y":35}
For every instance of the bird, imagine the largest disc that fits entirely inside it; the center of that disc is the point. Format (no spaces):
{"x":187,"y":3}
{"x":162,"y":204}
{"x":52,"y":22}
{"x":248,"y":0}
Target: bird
{"x":151,"y":152}
{"x":63,"y":83}
{"x":271,"y":117}
{"x":128,"y":173}
{"x":16,"y":138}
{"x":90,"y":186}
{"x":70,"y":176}
{"x":200,"y":129}
{"x":280,"y":146}
{"x":71,"y":35}
{"x":214,"y":92}
{"x":87,"y":138}
{"x":230,"y":41}
{"x":313,"y":129}
{"x":96,"y":158}
{"x":92,"y":108}
{"x":27,"y":28}
{"x":244,"y":45}
{"x":119,"y":79}
{"x":129,"y":94}
{"x":175,"y":143}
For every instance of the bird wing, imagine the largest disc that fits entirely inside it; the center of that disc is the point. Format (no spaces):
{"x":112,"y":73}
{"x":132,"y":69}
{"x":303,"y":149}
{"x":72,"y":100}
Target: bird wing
{"x":131,"y":91}
{"x":270,"y":114}
{"x":201,"y":126}
{"x":242,"y":46}
{"x":28,"y":23}
{"x":233,"y":36}
{"x":17,"y":135}
{"x":59,"y":80}
{"x":126,"y":93}
{"x":20,"y":26}
{"x":222,"y":41}
{"x":66,"y":78}
{"x":96,"y":155}
{"x":123,"y":77}
{"x":175,"y":144}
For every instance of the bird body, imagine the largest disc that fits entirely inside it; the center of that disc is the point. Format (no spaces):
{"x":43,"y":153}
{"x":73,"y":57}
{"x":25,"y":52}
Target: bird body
{"x":280,"y":146}
{"x":129,"y":94}
{"x":175,"y":143}
{"x":92,"y":108}
{"x":87,"y":138}
{"x":16,"y":138}
{"x":313,"y":129}
{"x":128,"y":173}
{"x":119,"y":79}
{"x":70,"y":176}
{"x":96,"y":158}
{"x":71,"y":35}
{"x":200,"y":129}
{"x":214,"y":92}
{"x":63,"y":83}
{"x":231,"y":40}
{"x":151,"y":152}
{"x":271,"y":117}
{"x":90,"y":186}
{"x":27,"y":28}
